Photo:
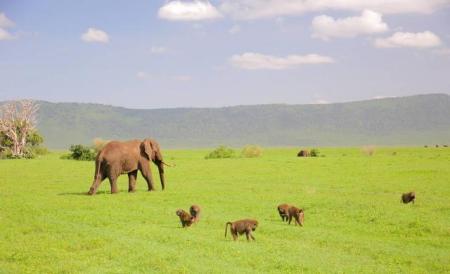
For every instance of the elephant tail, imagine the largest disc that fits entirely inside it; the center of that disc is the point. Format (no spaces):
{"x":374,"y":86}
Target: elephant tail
{"x":226,"y":227}
{"x":98,"y":165}
{"x":166,"y":164}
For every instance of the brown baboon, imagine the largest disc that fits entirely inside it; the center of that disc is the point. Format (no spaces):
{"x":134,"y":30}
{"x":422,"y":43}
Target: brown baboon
{"x":283,"y":210}
{"x":303,"y":153}
{"x":298,"y":215}
{"x":240,"y":227}
{"x":185,"y":218}
{"x":195,"y":212}
{"x":408,"y":197}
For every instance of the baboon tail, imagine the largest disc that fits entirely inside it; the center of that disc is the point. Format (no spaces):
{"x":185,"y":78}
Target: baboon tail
{"x":226,"y":227}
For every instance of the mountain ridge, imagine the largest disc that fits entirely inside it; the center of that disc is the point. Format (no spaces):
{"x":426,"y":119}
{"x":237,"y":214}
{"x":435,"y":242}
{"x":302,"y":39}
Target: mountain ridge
{"x":244,"y":105}
{"x":411,"y":120}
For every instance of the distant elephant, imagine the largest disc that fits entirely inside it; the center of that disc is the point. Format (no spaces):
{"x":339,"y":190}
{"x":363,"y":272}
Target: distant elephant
{"x":303,"y":153}
{"x":118,"y":158}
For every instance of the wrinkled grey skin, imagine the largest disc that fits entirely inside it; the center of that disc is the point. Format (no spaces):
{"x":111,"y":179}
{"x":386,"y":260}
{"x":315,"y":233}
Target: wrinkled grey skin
{"x":118,"y":158}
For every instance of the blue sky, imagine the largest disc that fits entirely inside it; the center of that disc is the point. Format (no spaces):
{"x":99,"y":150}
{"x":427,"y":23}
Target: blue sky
{"x":156,"y":54}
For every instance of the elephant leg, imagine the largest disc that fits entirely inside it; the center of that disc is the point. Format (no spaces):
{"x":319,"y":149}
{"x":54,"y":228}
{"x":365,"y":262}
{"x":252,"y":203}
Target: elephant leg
{"x":132,"y":181}
{"x":96,"y":183}
{"x":147,"y":174}
{"x":113,"y":183}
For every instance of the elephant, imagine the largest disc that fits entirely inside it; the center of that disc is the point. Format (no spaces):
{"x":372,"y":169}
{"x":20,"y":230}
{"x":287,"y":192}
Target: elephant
{"x":117,"y":158}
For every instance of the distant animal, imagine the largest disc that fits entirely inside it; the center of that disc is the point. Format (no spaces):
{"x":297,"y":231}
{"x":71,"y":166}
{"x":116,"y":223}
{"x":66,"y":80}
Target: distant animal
{"x":117,"y":158}
{"x":437,"y":145}
{"x":240,"y":227}
{"x":298,"y":215}
{"x":283,"y":210}
{"x":445,"y":146}
{"x":408,"y":197}
{"x":425,"y":146}
{"x":195,"y":212}
{"x":303,"y":153}
{"x":185,"y":218}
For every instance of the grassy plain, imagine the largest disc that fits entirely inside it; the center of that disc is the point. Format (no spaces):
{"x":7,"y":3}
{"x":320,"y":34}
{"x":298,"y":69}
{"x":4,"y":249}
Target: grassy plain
{"x":354,"y":221}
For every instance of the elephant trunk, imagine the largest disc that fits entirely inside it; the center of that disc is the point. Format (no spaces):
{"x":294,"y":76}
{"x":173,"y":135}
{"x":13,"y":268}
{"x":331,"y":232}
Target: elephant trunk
{"x":161,"y":173}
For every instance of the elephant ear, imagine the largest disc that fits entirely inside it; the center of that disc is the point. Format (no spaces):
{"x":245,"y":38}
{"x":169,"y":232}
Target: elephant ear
{"x":147,"y":148}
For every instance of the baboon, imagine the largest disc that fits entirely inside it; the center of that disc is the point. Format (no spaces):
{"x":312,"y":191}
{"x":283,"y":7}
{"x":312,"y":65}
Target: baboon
{"x":185,"y":218}
{"x":445,"y":145}
{"x":195,"y":212}
{"x":240,"y":227}
{"x":303,"y":153}
{"x":425,"y":146}
{"x":298,"y":215}
{"x":283,"y":210}
{"x":408,"y":197}
{"x":437,"y":145}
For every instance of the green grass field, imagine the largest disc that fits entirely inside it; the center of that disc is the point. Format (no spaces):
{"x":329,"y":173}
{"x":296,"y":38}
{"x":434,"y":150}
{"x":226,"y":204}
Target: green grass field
{"x":354,"y":221}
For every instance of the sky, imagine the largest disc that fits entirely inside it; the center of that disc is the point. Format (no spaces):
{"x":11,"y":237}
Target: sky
{"x":160,"y":54}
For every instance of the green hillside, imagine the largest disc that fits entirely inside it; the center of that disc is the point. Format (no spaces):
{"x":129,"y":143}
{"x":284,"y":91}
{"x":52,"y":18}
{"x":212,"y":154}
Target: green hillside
{"x":413,"y":120}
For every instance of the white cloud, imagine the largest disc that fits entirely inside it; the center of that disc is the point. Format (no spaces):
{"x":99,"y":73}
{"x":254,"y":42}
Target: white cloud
{"x":254,"y":61}
{"x":234,"y":29}
{"x":93,"y":35}
{"x":195,"y":10}
{"x":254,"y":9}
{"x":326,"y":27}
{"x":5,"y":35}
{"x":424,"y":39}
{"x":158,"y":50}
{"x":5,"y":22}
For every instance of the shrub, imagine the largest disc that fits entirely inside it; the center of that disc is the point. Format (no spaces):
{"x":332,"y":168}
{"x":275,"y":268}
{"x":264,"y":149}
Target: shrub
{"x":80,"y":152}
{"x":368,"y":150}
{"x":99,"y":143}
{"x":251,"y":151}
{"x":303,"y":153}
{"x":32,"y":148}
{"x":5,"y":153}
{"x":314,"y":152}
{"x":221,"y":152}
{"x":39,"y":150}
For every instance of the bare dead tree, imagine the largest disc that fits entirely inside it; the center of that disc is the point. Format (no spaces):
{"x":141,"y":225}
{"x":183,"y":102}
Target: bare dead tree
{"x":17,"y":121}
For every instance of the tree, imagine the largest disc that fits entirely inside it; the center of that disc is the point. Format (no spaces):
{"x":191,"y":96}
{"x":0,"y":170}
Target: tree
{"x":17,"y":124}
